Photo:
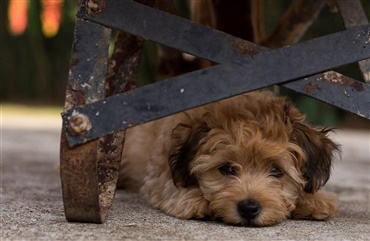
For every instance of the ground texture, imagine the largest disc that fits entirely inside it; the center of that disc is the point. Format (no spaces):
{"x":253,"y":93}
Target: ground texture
{"x":32,"y":207}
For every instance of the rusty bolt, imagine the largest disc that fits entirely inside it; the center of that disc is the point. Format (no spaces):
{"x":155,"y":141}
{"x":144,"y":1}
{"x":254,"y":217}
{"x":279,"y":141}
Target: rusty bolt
{"x":95,"y":6}
{"x":79,"y":124}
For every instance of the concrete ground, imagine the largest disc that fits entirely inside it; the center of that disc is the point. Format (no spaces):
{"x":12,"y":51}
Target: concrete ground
{"x":32,"y":208}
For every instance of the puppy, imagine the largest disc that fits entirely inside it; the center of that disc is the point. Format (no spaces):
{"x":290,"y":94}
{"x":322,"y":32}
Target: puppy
{"x":248,"y":160}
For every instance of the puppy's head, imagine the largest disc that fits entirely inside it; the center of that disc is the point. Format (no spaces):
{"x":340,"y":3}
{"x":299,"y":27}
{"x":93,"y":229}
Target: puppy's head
{"x":252,"y":156}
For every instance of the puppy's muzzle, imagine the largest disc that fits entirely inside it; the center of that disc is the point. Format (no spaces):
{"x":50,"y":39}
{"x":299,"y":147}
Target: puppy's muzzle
{"x":249,"y":209}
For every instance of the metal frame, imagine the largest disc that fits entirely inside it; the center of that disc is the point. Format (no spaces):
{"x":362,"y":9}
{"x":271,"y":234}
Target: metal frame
{"x":89,"y":171}
{"x":241,"y":75}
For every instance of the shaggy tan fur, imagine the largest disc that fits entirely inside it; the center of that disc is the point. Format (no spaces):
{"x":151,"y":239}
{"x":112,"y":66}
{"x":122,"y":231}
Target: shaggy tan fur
{"x":248,"y":160}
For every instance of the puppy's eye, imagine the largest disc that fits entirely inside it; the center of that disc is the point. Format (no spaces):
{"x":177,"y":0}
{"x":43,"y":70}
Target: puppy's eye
{"x":276,"y":171}
{"x":228,"y":170}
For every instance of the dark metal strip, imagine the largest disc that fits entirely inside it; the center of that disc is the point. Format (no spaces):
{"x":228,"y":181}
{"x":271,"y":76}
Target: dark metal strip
{"x":89,"y":172}
{"x":203,"y":42}
{"x":88,"y":187}
{"x":169,"y":30}
{"x":338,"y":90}
{"x":208,"y":85}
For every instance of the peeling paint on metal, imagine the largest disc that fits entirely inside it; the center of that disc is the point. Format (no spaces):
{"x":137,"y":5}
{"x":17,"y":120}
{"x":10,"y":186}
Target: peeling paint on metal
{"x":333,"y":77}
{"x":309,"y":88}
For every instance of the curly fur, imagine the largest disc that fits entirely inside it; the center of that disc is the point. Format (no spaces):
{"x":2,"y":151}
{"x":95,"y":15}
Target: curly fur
{"x":247,"y":160}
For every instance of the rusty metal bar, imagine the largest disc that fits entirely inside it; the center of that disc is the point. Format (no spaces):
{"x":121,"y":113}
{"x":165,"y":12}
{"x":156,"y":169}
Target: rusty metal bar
{"x":354,"y":15}
{"x":84,"y":198}
{"x":124,"y":64}
{"x":208,"y":85}
{"x":89,"y":172}
{"x":344,"y":92}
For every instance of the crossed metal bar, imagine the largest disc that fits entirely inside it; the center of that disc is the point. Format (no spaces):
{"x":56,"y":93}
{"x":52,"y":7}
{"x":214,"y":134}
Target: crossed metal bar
{"x":89,"y":171}
{"x":241,"y":75}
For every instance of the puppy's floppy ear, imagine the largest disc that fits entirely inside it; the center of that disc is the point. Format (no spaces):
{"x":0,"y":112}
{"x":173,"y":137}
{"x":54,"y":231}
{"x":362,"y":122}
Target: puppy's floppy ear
{"x":186,"y":140}
{"x":318,"y":149}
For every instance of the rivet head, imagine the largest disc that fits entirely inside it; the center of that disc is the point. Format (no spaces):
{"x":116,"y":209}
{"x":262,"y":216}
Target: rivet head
{"x":95,"y":6}
{"x":79,"y":124}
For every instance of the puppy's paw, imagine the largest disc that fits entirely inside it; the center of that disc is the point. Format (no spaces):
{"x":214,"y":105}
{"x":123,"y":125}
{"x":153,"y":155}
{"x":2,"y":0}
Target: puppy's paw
{"x":317,"y":206}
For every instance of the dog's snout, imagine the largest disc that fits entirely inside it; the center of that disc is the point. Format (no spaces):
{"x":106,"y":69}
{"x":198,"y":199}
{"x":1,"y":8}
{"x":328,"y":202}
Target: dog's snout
{"x":249,"y":209}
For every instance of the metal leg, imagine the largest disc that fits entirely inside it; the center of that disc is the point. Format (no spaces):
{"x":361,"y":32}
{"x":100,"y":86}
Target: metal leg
{"x":89,"y":172}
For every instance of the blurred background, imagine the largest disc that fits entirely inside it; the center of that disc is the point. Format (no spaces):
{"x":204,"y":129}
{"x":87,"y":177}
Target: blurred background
{"x":35,"y":47}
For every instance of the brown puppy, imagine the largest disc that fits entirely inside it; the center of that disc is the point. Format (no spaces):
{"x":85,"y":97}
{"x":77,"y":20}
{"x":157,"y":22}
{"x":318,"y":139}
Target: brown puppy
{"x":247,"y":160}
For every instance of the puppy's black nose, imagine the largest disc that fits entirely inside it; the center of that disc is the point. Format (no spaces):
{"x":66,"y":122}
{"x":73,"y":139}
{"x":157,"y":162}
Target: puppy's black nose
{"x":249,"y":209}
